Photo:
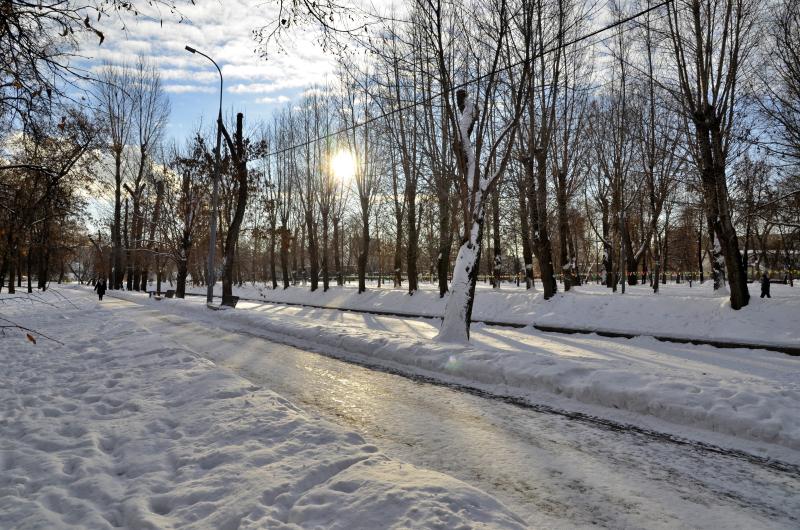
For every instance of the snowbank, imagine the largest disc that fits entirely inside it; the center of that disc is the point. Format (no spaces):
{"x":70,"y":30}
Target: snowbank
{"x":752,"y":394}
{"x":679,"y":311}
{"x":691,"y":313}
{"x":119,"y":427}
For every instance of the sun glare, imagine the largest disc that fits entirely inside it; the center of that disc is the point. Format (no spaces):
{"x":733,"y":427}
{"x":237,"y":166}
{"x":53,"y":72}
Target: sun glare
{"x":343,"y":165}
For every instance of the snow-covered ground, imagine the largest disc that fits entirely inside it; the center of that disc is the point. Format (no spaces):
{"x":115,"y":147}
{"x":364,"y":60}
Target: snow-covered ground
{"x":749,"y":394}
{"x":554,"y":470}
{"x":118,"y":426}
{"x":678,"y":311}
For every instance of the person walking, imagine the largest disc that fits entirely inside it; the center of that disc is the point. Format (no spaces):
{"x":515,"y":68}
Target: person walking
{"x":101,"y":289}
{"x":765,"y":285}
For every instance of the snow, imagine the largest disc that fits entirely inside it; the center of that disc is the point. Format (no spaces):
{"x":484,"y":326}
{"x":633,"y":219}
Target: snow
{"x":453,"y":327}
{"x":683,"y":312}
{"x":553,"y":471}
{"x":680,"y":311}
{"x":750,"y":394}
{"x":124,"y":427}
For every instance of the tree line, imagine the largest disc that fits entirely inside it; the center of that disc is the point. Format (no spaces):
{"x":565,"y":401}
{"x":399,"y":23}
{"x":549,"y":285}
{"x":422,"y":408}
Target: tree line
{"x":544,"y":141}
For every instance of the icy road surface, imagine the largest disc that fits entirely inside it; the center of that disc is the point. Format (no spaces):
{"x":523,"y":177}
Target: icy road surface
{"x":552,"y":471}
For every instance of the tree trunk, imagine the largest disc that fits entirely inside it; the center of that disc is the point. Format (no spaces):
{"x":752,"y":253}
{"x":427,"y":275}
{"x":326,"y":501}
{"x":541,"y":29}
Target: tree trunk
{"x":498,"y":256}
{"x":154,"y":222}
{"x":272,"y":274}
{"x":237,"y":149}
{"x":631,"y":261}
{"x":301,"y":244}
{"x":700,"y":249}
{"x":736,"y":273}
{"x":29,"y":262}
{"x":285,"y":240}
{"x":325,"y":271}
{"x":136,"y":244}
{"x":458,"y":311}
{"x":44,"y":250}
{"x":608,"y":251}
{"x":565,"y":258}
{"x":116,"y":235}
{"x":445,"y":240}
{"x":313,"y":251}
{"x":654,"y":279}
{"x":364,"y":253}
{"x":527,"y":254}
{"x":12,"y":261}
{"x":128,"y":260}
{"x":715,"y":191}
{"x":398,"y":253}
{"x":541,"y":238}
{"x":180,"y":283}
{"x":413,"y":241}
{"x":295,"y":244}
{"x":337,"y":257}
{"x":573,"y":253}
{"x":3,"y":270}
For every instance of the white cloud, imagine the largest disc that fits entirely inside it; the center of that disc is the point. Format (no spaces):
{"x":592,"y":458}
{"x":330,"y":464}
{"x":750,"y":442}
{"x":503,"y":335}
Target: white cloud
{"x":268,"y":100}
{"x":222,"y":30}
{"x":185,"y":89}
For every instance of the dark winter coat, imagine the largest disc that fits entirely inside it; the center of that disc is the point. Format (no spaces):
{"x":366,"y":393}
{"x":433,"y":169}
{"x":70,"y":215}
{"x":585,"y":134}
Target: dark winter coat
{"x":100,"y":288}
{"x":765,"y":284}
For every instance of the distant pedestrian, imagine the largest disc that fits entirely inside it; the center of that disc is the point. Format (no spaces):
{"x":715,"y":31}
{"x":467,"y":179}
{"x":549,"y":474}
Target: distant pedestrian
{"x":765,"y":285}
{"x":101,"y":289}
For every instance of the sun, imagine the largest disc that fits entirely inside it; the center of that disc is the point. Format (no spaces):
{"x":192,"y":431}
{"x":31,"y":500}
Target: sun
{"x":343,"y":165}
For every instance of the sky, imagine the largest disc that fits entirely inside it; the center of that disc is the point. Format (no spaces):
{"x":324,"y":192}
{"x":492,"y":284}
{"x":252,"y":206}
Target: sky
{"x":223,"y":30}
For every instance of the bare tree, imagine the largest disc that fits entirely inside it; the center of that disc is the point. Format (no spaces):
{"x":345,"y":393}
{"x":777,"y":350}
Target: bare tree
{"x":780,"y":79}
{"x":118,"y":109}
{"x":568,"y":149}
{"x":285,"y":169}
{"x":477,"y":176}
{"x":711,"y":41}
{"x":184,"y":185}
{"x":38,"y":39}
{"x":150,"y":111}
{"x":329,"y":186}
{"x":356,"y":104}
{"x":240,"y":151}
{"x":308,"y":179}
{"x":540,"y":27}
{"x":403,"y":74}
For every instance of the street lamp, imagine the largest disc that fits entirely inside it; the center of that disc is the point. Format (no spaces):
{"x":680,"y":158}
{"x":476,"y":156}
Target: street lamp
{"x":212,"y":239}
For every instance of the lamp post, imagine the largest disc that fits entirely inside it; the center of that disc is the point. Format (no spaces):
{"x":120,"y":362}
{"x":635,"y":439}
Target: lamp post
{"x":212,"y":238}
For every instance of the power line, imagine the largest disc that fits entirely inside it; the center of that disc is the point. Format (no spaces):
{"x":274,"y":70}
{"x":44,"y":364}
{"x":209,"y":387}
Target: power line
{"x":466,"y":83}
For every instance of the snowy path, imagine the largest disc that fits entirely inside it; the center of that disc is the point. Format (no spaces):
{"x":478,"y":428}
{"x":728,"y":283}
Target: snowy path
{"x":111,"y":426}
{"x":751,"y":395}
{"x":552,"y":471}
